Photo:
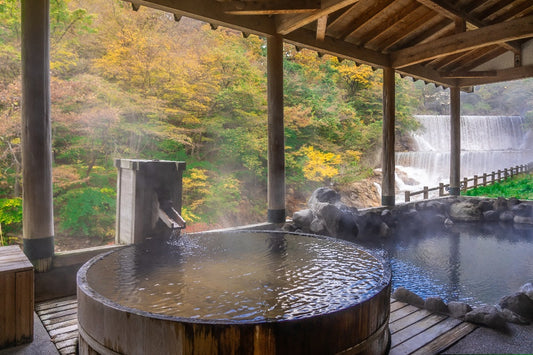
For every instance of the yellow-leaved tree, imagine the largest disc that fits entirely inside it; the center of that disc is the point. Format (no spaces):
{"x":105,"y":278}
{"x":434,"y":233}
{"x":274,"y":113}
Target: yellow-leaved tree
{"x":320,"y":166}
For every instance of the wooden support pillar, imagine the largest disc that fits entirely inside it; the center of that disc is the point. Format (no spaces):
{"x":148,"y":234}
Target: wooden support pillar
{"x":455,"y":142}
{"x":38,"y":218}
{"x":387,"y":159}
{"x":276,"y":134}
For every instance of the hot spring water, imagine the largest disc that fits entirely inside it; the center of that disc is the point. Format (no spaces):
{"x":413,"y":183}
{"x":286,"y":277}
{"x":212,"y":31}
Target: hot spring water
{"x":476,"y":263}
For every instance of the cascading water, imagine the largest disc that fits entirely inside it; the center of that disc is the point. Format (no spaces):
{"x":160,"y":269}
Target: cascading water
{"x":488,"y":143}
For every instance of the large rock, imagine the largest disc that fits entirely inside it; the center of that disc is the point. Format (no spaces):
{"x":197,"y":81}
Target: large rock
{"x":491,"y":216}
{"x":527,"y":289}
{"x":486,"y":315}
{"x":506,"y":216}
{"x":436,"y":305}
{"x":458,"y":309}
{"x":522,"y":210}
{"x":302,"y":219}
{"x":323,"y":195}
{"x":519,"y":303}
{"x":465,"y":211}
{"x":404,"y":295}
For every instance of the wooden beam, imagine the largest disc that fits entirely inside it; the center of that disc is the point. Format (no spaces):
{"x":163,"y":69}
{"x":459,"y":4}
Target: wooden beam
{"x":213,"y":12}
{"x":321,"y":26}
{"x":501,"y":75}
{"x":338,"y":48}
{"x":388,"y":131}
{"x":276,"y":135}
{"x":446,"y":9}
{"x":270,"y":7}
{"x":351,"y":20}
{"x":288,"y":23}
{"x":420,"y":72}
{"x":455,"y":141}
{"x":470,"y":74}
{"x":494,"y":34}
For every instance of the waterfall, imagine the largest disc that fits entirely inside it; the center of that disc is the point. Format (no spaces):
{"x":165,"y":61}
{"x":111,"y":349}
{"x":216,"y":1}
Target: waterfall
{"x":488,"y":143}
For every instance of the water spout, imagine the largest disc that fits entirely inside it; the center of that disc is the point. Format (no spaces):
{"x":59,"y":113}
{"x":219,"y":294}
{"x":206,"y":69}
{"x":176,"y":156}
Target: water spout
{"x":169,"y":216}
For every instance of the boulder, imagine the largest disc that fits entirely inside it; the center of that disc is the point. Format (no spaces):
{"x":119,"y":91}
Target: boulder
{"x":465,"y":211}
{"x":435,"y":304}
{"x":523,"y":210}
{"x":404,"y":295}
{"x":518,"y":303}
{"x":500,"y":204}
{"x":324,"y":195}
{"x":317,"y":226}
{"x":506,"y":216}
{"x":486,"y":315}
{"x":527,"y":289}
{"x":523,"y":220}
{"x":491,"y":216}
{"x":458,"y":309}
{"x":302,"y":219}
{"x":512,"y":317}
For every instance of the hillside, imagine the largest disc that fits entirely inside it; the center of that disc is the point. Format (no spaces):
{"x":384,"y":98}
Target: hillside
{"x":140,"y":85}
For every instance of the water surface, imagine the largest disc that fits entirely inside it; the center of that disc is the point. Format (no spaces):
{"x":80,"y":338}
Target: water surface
{"x":239,"y":276}
{"x":476,"y":263}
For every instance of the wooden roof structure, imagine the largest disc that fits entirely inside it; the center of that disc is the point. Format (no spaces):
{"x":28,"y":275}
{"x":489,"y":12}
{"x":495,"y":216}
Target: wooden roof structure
{"x":448,"y":42}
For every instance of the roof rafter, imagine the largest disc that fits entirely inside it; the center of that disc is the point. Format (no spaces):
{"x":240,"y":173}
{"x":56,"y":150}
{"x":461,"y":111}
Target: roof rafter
{"x":287,"y":23}
{"x":494,"y":34}
{"x":450,"y":11}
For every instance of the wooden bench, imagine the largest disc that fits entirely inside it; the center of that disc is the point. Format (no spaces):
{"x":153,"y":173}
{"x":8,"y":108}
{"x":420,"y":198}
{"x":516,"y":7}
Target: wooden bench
{"x":16,"y":297}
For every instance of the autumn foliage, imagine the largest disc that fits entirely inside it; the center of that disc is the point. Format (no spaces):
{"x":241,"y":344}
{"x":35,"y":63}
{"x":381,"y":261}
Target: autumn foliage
{"x":140,"y":85}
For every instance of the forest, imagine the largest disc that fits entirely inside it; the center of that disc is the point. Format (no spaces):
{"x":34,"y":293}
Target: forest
{"x":128,"y":84}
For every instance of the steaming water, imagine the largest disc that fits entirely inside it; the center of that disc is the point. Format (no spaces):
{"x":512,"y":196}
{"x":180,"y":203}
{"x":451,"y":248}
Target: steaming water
{"x":235,"y":276}
{"x":488,"y":143}
{"x":473,"y":263}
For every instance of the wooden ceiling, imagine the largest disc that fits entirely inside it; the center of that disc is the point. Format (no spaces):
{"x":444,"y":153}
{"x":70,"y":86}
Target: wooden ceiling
{"x":447,"y":42}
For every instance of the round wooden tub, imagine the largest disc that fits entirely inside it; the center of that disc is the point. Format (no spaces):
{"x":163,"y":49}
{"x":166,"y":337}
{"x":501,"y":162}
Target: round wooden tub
{"x":235,"y":293}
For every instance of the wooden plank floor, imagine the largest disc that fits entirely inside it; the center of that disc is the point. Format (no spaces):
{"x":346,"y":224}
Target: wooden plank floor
{"x":413,"y":330}
{"x":418,"y":331}
{"x":60,"y":318}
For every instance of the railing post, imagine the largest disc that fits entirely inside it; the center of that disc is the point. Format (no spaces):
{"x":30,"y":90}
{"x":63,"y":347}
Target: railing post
{"x":475,"y":181}
{"x":407,"y":196}
{"x":465,"y":184}
{"x":484,"y":179}
{"x":426,"y":193}
{"x":505,"y":174}
{"x":441,"y":189}
{"x":492,"y":177}
{"x":499,"y":175}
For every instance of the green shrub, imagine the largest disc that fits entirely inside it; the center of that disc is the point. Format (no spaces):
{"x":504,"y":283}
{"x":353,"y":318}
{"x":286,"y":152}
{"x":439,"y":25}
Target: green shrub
{"x":87,"y":212}
{"x":10,"y":219}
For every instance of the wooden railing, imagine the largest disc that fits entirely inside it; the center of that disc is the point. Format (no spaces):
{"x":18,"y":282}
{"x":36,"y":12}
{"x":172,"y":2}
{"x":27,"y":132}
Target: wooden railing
{"x":473,"y":182}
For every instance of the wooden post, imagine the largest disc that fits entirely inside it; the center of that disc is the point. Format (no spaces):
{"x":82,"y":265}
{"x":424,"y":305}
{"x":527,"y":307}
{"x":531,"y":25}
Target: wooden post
{"x":475,"y":181}
{"x":276,"y":135}
{"x":441,"y":189}
{"x":387,"y":159}
{"x":407,"y":196}
{"x":465,"y":184}
{"x":426,"y":192}
{"x":484,"y":179}
{"x":493,"y":176}
{"x":505,"y":174}
{"x":38,"y":217}
{"x":455,"y":141}
{"x":499,"y":175}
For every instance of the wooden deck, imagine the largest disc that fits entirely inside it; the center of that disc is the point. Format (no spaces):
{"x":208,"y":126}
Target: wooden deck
{"x":414,"y":330}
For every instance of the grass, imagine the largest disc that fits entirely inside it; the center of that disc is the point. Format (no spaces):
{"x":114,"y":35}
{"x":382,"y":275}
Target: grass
{"x":520,"y":187}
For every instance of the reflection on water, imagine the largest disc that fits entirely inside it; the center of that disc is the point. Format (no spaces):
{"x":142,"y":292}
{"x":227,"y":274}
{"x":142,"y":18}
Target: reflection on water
{"x":238,"y":276}
{"x":473,"y":263}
